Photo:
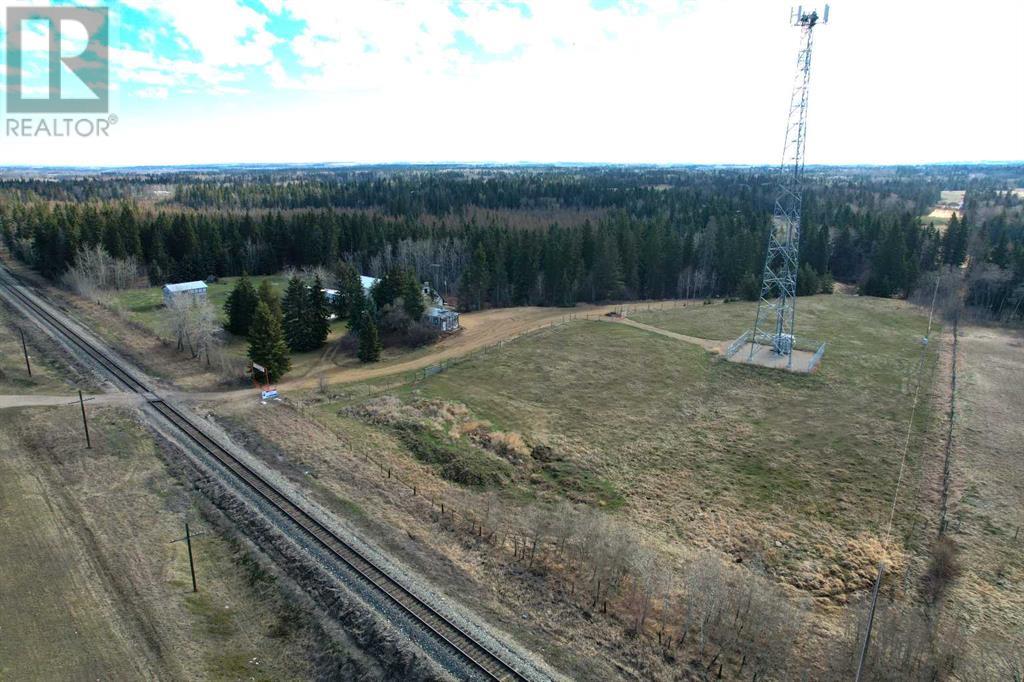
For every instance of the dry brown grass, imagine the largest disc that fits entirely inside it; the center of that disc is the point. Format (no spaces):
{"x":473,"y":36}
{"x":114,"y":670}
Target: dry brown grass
{"x":987,"y":496}
{"x":90,"y":585}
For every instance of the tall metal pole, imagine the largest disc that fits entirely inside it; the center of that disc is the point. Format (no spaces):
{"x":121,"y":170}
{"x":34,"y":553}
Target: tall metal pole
{"x":191,"y":564}
{"x":871,"y":622}
{"x":85,"y":422}
{"x":24,"y":348}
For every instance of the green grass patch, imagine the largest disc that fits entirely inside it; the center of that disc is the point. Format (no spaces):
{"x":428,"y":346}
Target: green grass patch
{"x":455,"y":460}
{"x":673,"y":427}
{"x":216,"y":621}
{"x":576,"y":483}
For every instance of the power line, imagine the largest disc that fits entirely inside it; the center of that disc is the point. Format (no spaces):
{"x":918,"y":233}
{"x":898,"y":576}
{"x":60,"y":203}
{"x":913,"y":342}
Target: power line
{"x":913,"y":413}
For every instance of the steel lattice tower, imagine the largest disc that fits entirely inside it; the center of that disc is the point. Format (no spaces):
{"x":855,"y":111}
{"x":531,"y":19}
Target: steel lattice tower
{"x":776,"y":309}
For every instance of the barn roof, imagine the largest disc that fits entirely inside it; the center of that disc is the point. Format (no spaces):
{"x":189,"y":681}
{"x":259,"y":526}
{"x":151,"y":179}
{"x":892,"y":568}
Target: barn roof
{"x":184,"y":286}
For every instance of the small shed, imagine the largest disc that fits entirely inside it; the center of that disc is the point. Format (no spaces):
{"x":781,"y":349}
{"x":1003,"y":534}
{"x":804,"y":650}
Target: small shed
{"x":195,"y":290}
{"x":442,"y":318}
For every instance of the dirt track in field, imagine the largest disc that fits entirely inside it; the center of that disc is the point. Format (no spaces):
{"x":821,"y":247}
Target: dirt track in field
{"x":479,"y":330}
{"x":710,"y":345}
{"x":9,"y":401}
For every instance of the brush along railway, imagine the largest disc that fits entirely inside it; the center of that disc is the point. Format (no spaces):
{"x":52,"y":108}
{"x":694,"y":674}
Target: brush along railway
{"x":455,"y":641}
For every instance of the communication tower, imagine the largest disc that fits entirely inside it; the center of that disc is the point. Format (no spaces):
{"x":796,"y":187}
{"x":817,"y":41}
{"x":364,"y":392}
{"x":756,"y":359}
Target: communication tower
{"x":775,"y":322}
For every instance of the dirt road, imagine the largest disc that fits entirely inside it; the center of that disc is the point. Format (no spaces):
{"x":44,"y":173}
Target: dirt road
{"x":9,"y":401}
{"x":479,"y":330}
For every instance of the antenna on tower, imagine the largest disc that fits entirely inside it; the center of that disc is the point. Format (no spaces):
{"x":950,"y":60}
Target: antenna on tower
{"x":774,"y":325}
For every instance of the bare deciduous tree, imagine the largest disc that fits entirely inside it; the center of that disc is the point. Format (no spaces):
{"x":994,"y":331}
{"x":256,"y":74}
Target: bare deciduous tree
{"x":96,"y":271}
{"x":194,"y":325}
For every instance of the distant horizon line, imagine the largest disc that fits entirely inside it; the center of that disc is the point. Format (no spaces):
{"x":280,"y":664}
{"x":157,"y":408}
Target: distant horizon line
{"x":481,"y":164}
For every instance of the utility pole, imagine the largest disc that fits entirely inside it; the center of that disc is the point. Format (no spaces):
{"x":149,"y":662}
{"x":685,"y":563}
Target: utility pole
{"x":24,"y":348}
{"x":191,"y":562}
{"x":85,"y":422}
{"x":871,"y":622}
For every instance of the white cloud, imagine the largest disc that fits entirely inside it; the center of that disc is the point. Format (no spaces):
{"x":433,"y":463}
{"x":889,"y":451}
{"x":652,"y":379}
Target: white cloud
{"x":225,"y":33}
{"x":653,"y":81}
{"x":152,"y":93}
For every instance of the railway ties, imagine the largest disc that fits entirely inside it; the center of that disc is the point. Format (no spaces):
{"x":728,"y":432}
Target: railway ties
{"x":452,"y":637}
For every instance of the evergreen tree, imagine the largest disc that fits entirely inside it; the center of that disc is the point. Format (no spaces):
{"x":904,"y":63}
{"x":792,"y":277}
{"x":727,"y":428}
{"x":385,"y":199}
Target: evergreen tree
{"x":266,"y":342}
{"x":240,"y":307}
{"x":605,"y":277}
{"x":474,"y":280}
{"x":369,"y":340}
{"x":412,"y":297}
{"x":388,"y":288}
{"x":295,"y":314}
{"x":350,"y":291}
{"x":807,"y":283}
{"x":318,"y":324}
{"x":750,"y":288}
{"x":954,"y":242}
{"x":270,"y":297}
{"x":888,"y":267}
{"x":358,"y":308}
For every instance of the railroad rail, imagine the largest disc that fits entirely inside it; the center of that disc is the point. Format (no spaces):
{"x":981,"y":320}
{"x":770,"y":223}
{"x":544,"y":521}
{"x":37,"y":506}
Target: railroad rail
{"x":451,"y":636}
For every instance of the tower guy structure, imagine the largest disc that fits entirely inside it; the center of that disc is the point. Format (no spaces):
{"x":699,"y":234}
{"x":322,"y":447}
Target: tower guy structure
{"x":775,"y":322}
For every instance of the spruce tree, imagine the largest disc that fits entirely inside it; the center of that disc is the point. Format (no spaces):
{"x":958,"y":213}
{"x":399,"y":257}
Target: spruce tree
{"x":369,"y":340}
{"x":358,"y":306}
{"x":318,"y":314}
{"x":350,"y":291}
{"x":240,"y":307}
{"x":270,"y":297}
{"x":266,"y":342}
{"x":412,"y":297}
{"x":295,"y":315}
{"x":474,"y":279}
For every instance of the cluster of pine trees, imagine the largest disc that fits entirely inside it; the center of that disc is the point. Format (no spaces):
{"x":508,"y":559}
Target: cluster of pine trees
{"x":274,"y":327}
{"x":996,"y":253}
{"x":299,"y":321}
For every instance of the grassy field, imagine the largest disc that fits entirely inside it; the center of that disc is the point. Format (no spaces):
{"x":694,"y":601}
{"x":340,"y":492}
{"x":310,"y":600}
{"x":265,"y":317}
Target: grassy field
{"x":792,"y":475}
{"x":14,"y":377}
{"x":93,"y":588}
{"x":704,"y":450}
{"x":90,"y":585}
{"x":987,"y":497}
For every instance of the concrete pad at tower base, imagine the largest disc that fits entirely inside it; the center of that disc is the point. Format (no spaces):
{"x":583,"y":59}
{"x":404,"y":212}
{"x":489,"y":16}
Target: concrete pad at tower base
{"x":766,"y":357}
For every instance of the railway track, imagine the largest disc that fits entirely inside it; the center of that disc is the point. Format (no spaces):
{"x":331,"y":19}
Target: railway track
{"x":448,"y":634}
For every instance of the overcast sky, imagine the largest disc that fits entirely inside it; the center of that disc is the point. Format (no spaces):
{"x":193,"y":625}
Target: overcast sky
{"x":662,"y":81}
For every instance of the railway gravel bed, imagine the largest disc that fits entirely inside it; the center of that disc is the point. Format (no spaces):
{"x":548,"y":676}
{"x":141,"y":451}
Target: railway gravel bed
{"x":452,"y":640}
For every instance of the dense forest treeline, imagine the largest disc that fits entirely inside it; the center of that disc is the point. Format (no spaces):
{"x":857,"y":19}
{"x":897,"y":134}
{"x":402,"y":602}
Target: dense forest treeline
{"x":623,"y":233}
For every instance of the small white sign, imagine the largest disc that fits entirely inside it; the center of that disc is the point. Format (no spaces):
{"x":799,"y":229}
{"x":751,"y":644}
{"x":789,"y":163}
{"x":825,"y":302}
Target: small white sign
{"x":259,"y":368}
